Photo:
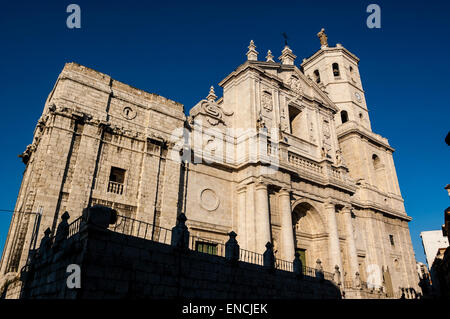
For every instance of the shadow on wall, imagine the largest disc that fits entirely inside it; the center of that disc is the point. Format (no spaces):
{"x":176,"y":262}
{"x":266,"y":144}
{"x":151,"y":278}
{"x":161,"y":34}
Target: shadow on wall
{"x":124,"y":258}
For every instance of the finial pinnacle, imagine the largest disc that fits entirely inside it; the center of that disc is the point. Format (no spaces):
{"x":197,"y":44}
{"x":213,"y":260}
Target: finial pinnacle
{"x":287,"y":57}
{"x":212,"y":95}
{"x":269,"y":56}
{"x":252,"y":54}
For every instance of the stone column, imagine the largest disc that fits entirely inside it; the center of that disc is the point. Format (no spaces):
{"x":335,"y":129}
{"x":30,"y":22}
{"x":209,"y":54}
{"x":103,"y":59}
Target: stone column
{"x":353,"y":262}
{"x":287,"y":235}
{"x":262,"y":219}
{"x":242,"y":222}
{"x":333,"y":242}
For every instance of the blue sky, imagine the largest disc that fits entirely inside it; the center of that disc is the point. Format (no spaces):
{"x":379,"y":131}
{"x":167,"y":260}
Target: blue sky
{"x":179,"y":50}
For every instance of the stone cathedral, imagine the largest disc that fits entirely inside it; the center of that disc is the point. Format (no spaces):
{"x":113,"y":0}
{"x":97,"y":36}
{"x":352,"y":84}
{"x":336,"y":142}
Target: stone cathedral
{"x":286,"y":156}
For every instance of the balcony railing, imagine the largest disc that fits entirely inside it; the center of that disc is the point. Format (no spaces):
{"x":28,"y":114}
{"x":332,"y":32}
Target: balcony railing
{"x":300,"y":162}
{"x":116,"y":188}
{"x":323,"y":170}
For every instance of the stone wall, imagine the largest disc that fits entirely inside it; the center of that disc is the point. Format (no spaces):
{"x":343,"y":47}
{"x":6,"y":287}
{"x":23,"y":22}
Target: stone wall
{"x":114,"y":265}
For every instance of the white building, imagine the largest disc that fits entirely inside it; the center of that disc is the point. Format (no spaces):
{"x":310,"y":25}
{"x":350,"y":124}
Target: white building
{"x":433,"y":240}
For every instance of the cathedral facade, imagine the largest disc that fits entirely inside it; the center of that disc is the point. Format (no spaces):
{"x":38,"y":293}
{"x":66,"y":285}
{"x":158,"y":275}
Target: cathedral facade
{"x":286,"y":156}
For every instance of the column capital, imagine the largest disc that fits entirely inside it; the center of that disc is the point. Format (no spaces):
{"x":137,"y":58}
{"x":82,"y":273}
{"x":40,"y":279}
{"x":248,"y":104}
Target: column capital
{"x":347,"y":209}
{"x":260,"y":184}
{"x":241,"y":189}
{"x":329,"y":205}
{"x":284,"y":192}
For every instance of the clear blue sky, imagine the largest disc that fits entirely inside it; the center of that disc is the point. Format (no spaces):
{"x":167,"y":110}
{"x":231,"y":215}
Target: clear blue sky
{"x":179,"y":50}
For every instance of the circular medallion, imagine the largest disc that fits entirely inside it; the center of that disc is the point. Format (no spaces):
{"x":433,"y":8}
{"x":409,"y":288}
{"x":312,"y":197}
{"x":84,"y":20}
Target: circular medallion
{"x":209,"y":199}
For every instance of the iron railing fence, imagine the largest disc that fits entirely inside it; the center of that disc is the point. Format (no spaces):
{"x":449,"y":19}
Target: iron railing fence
{"x":137,"y":228}
{"x":130,"y":226}
{"x":74,"y":226}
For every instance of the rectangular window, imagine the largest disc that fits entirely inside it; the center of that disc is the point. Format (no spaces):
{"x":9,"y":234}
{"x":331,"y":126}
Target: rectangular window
{"x":391,"y":239}
{"x":207,"y":248}
{"x":116,"y":180}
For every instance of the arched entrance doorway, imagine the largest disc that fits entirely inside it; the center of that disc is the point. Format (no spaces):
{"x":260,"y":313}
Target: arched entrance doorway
{"x":310,"y":236}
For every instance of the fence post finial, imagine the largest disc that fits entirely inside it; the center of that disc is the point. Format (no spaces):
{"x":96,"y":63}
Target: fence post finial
{"x":269,"y":257}
{"x":62,"y":231}
{"x":180,"y":233}
{"x":232,"y":248}
{"x":298,"y":266}
{"x":45,"y":242}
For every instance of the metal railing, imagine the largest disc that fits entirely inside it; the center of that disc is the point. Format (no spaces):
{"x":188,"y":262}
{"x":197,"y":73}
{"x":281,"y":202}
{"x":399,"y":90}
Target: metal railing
{"x":74,"y":227}
{"x":137,"y":228}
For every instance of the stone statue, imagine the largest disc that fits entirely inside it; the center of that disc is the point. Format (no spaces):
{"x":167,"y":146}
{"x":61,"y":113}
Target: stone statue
{"x":339,"y":158}
{"x":319,"y":269}
{"x":323,"y":38}
{"x":337,"y":275}
{"x":260,"y":123}
{"x":357,"y":280}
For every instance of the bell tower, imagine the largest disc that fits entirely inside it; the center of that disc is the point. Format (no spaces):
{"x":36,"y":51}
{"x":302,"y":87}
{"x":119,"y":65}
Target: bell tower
{"x":368,"y":155}
{"x":335,"y":70}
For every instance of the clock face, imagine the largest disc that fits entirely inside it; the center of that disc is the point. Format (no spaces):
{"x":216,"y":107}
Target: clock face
{"x":358,"y":96}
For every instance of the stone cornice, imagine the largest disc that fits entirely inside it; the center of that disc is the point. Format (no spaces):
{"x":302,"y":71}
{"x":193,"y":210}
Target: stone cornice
{"x":326,"y":50}
{"x":382,"y":210}
{"x":351,"y":127}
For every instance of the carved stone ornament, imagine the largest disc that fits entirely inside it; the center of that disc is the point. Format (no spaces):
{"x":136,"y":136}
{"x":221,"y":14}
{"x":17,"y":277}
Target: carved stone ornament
{"x":326,"y":130}
{"x":296,"y":85}
{"x":210,"y":109}
{"x":283,"y":121}
{"x":339,"y":158}
{"x":260,"y":123}
{"x":266,"y":101}
{"x":214,"y":112}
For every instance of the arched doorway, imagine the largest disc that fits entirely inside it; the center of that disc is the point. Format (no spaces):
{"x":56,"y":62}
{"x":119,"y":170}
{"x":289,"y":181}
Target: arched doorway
{"x":310,"y":236}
